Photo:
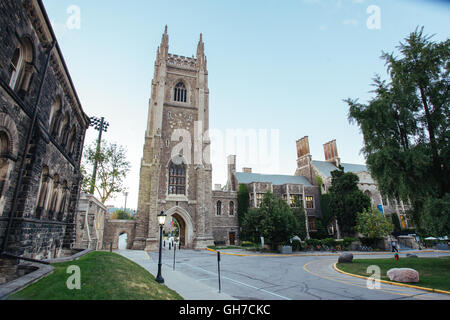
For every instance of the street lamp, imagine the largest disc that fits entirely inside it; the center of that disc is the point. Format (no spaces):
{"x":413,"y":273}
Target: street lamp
{"x":99,"y":125}
{"x":161,"y":220}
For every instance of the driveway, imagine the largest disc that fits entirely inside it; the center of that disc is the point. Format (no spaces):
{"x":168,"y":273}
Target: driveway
{"x":270,"y":277}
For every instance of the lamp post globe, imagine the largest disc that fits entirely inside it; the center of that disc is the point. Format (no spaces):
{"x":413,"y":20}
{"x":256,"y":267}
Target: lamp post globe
{"x":161,"y":220}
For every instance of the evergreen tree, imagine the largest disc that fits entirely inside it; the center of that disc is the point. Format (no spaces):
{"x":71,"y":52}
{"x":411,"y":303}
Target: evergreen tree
{"x":406,"y":127}
{"x":346,"y":200}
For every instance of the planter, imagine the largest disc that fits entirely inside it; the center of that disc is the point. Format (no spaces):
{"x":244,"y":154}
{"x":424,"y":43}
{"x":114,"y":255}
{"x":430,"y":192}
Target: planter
{"x":286,"y":249}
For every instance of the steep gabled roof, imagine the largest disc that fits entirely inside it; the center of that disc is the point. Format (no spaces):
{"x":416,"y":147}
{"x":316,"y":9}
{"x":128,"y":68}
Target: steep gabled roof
{"x":325,"y":168}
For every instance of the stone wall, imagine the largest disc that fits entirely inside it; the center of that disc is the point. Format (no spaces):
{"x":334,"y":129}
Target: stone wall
{"x":115,"y":228}
{"x":91,"y":219}
{"x":226,"y":225}
{"x":53,"y":159}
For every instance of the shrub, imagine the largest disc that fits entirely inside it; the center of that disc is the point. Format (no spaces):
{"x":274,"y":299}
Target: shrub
{"x":348,"y":241}
{"x":313,"y":242}
{"x":329,"y":242}
{"x":247,"y":244}
{"x":296,"y":245}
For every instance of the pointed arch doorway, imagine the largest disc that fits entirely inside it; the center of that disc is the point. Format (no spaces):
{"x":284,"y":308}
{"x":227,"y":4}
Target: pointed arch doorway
{"x":185,"y":225}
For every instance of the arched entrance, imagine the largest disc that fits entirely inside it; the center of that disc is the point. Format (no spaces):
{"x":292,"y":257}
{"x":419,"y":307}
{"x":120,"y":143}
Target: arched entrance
{"x":186,"y":227}
{"x":123,"y":241}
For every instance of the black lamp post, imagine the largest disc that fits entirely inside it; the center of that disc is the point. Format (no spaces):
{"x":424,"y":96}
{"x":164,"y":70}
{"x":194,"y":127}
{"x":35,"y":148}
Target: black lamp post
{"x":161,"y":220}
{"x":102,"y":126}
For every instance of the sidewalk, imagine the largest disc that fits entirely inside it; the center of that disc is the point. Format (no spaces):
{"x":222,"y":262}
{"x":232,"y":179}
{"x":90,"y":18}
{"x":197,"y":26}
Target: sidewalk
{"x":185,"y":286}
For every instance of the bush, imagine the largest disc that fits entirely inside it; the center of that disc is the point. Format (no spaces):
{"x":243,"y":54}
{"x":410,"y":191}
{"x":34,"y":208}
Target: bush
{"x":313,"y":242}
{"x":369,"y":242}
{"x":329,"y":242}
{"x":348,"y":241}
{"x":247,"y":244}
{"x":296,"y":245}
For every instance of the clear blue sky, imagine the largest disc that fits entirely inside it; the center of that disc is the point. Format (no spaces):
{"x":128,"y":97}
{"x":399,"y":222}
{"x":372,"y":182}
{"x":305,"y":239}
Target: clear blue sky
{"x":283,"y":65}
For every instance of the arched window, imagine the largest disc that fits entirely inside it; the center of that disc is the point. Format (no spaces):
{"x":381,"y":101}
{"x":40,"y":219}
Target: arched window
{"x":54,"y":198}
{"x":21,"y":66}
{"x":64,"y":131}
{"x":62,"y":206}
{"x":231,"y":212}
{"x":54,"y":113}
{"x":177,"y":179}
{"x":71,"y":142}
{"x":43,"y":192}
{"x":4,"y":163}
{"x":180,"y":92}
{"x":219,"y":208}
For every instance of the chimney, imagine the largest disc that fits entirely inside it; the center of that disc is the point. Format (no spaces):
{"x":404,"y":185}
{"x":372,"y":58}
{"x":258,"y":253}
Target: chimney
{"x":231,"y":181}
{"x":331,"y":154}
{"x":247,"y":170}
{"x":303,"y":147}
{"x":304,"y":160}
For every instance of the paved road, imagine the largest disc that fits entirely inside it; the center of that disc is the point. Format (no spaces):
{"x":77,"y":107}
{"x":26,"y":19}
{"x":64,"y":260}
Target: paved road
{"x":269,"y":278}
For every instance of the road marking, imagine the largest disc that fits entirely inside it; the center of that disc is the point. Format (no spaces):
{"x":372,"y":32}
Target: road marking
{"x":148,"y":255}
{"x":239,"y":282}
{"x":358,"y":285}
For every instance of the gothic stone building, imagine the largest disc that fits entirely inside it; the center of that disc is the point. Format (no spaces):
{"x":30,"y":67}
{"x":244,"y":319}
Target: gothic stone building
{"x":37,"y":211}
{"x":177,"y":182}
{"x":311,"y":169}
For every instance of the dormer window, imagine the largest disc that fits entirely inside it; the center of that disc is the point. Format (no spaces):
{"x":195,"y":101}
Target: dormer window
{"x":180,"y":92}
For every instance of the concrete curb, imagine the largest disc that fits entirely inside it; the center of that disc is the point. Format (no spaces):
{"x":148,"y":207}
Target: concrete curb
{"x":318,"y":254}
{"x":14,"y":286}
{"x":389,"y":282}
{"x":70,"y":258}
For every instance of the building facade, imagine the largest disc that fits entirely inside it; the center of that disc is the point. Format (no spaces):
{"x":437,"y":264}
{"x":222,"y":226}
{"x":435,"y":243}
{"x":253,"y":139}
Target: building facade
{"x":176,"y":179}
{"x":314,"y":169}
{"x":42,"y":130}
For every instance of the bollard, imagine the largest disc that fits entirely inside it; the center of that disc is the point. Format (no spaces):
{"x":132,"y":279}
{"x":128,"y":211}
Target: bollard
{"x":218,"y":268}
{"x":164,"y":243}
{"x":174,"y":250}
{"x":110,"y":247}
{"x":169,"y":246}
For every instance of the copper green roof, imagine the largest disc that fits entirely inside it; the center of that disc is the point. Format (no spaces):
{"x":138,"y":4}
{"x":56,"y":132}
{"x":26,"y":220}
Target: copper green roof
{"x":275,"y":179}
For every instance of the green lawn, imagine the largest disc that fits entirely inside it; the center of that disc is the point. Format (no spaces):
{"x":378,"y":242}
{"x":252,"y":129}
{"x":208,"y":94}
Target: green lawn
{"x":104,"y":276}
{"x":433,"y":272}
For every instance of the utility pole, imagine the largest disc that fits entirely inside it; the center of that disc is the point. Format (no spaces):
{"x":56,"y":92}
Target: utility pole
{"x":126,"y":195}
{"x":99,"y":125}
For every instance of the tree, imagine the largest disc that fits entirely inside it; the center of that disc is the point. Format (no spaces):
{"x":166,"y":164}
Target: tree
{"x":121,"y":215}
{"x":406,"y":125}
{"x":243,"y":200}
{"x":346,"y":200}
{"x":436,"y":216}
{"x":112,"y":169}
{"x":299,"y":213}
{"x":372,"y":224}
{"x":396,"y":222}
{"x":279,"y":224}
{"x":252,"y":225}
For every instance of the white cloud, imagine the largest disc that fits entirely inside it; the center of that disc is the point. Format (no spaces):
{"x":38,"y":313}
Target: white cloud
{"x":352,"y":22}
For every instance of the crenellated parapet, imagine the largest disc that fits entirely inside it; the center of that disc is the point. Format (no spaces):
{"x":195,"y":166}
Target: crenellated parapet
{"x":181,"y":61}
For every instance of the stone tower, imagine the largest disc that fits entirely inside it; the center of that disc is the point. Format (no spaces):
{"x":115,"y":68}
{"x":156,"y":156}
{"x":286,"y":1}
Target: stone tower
{"x":175,"y":174}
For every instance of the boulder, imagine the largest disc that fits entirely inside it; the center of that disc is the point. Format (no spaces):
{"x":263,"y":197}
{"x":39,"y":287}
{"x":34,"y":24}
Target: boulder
{"x":345,"y":257}
{"x":411,"y":255}
{"x":403,"y":275}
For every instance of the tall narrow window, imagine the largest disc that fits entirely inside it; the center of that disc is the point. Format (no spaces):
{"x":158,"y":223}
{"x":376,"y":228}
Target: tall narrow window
{"x":231,"y":212}
{"x":177,"y":179}
{"x":43,"y":192}
{"x":180,"y":92}
{"x":309,"y":202}
{"x":21,"y":68}
{"x":4,"y":163}
{"x":16,"y":66}
{"x":219,"y":208}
